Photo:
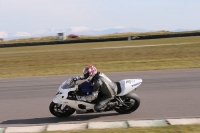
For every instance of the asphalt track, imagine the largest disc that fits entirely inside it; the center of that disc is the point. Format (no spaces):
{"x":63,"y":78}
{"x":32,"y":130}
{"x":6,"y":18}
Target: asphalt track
{"x":163,"y":93}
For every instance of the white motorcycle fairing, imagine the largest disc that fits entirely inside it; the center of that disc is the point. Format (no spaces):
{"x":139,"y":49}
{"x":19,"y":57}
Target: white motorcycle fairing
{"x":74,"y":104}
{"x":127,"y":86}
{"x":62,"y":97}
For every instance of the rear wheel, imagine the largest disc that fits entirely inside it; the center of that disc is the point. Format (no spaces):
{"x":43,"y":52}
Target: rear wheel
{"x":131,"y":103}
{"x":55,"y":110}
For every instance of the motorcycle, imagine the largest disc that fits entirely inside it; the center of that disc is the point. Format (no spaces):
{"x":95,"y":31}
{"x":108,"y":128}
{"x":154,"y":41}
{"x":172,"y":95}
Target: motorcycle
{"x":66,"y":103}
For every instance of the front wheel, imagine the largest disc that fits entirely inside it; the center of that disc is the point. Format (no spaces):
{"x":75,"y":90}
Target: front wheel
{"x":131,"y":103}
{"x":55,"y":110}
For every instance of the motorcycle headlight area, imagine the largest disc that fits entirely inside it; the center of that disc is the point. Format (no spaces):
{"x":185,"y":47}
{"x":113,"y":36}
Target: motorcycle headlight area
{"x":59,"y":93}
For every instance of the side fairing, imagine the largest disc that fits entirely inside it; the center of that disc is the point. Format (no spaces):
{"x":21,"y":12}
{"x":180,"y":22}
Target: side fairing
{"x":61,"y":98}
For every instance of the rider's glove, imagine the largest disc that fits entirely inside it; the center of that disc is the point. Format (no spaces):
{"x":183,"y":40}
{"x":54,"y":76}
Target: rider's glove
{"x":80,"y":98}
{"x":77,"y":78}
{"x":81,"y":77}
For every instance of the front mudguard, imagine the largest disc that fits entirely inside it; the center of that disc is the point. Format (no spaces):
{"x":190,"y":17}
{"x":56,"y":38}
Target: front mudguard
{"x":56,"y":100}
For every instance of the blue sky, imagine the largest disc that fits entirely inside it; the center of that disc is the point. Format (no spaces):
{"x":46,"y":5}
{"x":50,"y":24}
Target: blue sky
{"x":34,"y":15}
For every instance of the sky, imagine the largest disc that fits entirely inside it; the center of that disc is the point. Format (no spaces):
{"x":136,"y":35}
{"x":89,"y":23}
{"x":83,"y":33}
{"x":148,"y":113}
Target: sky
{"x":26,"y":16}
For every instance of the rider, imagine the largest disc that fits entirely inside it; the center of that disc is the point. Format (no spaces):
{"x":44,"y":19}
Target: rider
{"x":100,"y":83}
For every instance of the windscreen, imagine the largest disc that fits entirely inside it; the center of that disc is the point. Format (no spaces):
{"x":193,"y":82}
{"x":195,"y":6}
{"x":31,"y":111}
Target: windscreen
{"x":65,"y":85}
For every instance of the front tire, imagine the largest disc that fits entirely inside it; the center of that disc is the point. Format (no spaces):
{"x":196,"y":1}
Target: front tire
{"x":130,"y":106}
{"x":56,"y":111}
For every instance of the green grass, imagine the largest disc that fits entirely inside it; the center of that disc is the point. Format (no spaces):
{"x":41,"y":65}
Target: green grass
{"x":164,"y":129}
{"x":70,"y":59}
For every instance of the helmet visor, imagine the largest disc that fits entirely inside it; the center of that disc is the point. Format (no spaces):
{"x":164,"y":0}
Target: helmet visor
{"x":86,"y":75}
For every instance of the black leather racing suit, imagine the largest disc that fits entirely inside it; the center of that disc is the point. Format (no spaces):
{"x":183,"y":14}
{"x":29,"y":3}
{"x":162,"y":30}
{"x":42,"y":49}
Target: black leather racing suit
{"x":101,"y":83}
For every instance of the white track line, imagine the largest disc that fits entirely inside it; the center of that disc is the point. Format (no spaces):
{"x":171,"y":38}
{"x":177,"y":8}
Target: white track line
{"x":117,"y":47}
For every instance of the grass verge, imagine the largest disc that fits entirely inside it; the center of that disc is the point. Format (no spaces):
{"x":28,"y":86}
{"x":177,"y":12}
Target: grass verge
{"x":70,"y":59}
{"x":164,"y":129}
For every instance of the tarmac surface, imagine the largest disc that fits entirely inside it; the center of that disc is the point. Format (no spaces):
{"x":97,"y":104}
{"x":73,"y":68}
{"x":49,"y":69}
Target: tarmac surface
{"x":163,"y":93}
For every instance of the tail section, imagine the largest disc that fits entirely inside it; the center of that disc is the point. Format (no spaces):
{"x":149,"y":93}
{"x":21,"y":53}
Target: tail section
{"x":128,"y":85}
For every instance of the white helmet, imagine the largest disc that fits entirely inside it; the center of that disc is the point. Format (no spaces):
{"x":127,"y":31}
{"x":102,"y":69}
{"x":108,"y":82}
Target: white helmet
{"x":89,"y":72}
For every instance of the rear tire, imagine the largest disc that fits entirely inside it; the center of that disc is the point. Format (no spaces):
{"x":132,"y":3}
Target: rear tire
{"x":56,"y":111}
{"x":124,"y":110}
